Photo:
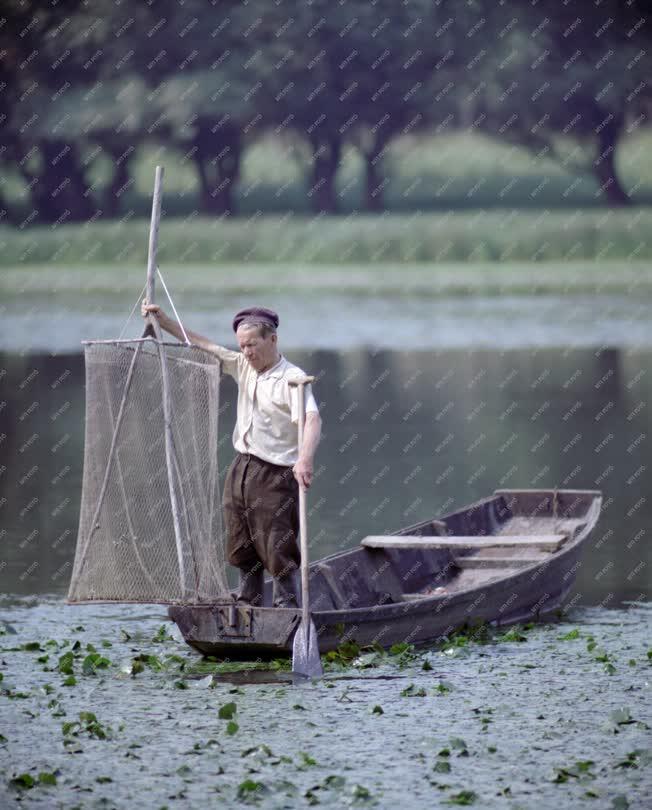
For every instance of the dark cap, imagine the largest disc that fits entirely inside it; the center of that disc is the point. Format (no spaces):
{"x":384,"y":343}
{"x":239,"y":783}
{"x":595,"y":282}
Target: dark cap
{"x":255,"y":315}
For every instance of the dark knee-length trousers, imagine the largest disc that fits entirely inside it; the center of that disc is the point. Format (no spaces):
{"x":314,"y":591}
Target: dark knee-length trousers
{"x":261,"y":513}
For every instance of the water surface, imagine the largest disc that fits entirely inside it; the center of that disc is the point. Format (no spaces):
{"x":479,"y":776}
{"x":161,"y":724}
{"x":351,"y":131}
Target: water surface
{"x":406,"y":436}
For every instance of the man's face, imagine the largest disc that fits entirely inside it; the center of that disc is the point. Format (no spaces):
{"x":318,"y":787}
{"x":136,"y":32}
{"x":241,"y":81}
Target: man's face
{"x":258,"y":351}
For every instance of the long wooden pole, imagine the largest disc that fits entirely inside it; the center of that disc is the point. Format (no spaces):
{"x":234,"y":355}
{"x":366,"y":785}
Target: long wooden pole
{"x":153,"y":234}
{"x":303,"y":518}
{"x":305,"y":650}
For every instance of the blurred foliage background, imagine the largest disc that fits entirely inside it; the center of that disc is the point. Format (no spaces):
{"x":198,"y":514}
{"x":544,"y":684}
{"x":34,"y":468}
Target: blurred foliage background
{"x":321,"y":107}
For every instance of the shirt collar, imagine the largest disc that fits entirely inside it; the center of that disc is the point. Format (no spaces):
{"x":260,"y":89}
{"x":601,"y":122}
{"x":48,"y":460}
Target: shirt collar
{"x":275,"y":371}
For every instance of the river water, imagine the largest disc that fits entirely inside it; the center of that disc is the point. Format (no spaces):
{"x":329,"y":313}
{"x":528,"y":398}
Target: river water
{"x":414,"y":426}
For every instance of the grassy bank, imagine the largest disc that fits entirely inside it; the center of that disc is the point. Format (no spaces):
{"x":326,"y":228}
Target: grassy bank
{"x":198,"y":285}
{"x":480,"y":236}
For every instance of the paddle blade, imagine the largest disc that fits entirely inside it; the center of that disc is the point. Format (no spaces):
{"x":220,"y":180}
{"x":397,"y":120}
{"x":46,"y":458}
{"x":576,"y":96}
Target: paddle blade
{"x":305,"y":652}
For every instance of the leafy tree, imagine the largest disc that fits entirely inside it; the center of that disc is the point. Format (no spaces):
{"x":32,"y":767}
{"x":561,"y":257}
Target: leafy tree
{"x":560,"y":73}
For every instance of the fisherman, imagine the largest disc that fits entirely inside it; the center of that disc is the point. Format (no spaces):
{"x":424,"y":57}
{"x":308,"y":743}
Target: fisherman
{"x":261,"y":490}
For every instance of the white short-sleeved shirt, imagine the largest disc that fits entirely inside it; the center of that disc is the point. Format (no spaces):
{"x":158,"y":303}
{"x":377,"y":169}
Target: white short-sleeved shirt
{"x":268,"y":412}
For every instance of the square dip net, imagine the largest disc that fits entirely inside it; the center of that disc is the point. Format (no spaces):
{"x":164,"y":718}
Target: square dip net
{"x":150,"y":526}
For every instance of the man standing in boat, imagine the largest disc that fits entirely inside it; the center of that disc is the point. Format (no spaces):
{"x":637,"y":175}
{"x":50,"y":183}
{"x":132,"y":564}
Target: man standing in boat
{"x":261,"y":490}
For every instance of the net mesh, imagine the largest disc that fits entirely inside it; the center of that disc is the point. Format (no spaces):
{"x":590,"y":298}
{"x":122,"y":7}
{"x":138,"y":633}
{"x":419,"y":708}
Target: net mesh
{"x":133,"y":545}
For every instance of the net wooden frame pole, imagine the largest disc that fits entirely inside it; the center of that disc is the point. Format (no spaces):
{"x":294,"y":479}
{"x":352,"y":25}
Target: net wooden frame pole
{"x":153,"y":234}
{"x":151,"y":328}
{"x":155,"y":329}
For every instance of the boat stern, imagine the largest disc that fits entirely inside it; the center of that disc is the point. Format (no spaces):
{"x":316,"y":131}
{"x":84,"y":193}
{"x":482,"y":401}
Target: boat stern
{"x":234,"y":630}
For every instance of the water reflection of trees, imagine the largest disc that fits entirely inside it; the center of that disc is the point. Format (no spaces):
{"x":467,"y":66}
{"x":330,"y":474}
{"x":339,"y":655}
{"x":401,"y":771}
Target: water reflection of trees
{"x":407,"y":435}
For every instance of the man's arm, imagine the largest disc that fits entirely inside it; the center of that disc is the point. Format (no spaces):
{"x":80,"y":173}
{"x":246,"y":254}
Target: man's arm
{"x":303,"y":469}
{"x":228,"y":357}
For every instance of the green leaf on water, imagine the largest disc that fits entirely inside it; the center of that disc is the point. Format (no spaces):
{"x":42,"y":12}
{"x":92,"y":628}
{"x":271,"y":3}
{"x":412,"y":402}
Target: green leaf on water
{"x":307,"y":759}
{"x":102,"y":780}
{"x":442,"y":766}
{"x":344,"y":654}
{"x":360,"y":793}
{"x":16,"y":695}
{"x":136,"y":667}
{"x":227,"y":711}
{"x":93,"y":662}
{"x":367,"y":660}
{"x":515,"y":634}
{"x":70,"y":727}
{"x":634,"y":759}
{"x":46,"y":778}
{"x":65,"y":664}
{"x":580,"y":770}
{"x":232,"y":727}
{"x":464,"y":798}
{"x":88,"y":723}
{"x":180,"y":685}
{"x":443,"y":687}
{"x":70,"y":681}
{"x":426,"y":666}
{"x":23,"y":781}
{"x":139,"y":662}
{"x":249,"y":786}
{"x":458,"y":744}
{"x":377,"y":710}
{"x":412,"y":691}
{"x":32,"y":646}
{"x":573,"y":634}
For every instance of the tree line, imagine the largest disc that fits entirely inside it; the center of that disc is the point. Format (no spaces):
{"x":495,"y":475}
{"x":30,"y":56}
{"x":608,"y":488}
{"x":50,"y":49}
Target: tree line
{"x":85,"y":81}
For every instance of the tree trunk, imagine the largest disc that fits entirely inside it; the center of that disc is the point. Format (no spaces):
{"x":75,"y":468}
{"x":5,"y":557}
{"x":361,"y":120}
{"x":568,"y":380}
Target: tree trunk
{"x":119,"y":179}
{"x":374,"y":177}
{"x":59,"y":194}
{"x":604,"y":165}
{"x":229,"y":171}
{"x":205,"y":199}
{"x":326,"y":158}
{"x":218,"y":160}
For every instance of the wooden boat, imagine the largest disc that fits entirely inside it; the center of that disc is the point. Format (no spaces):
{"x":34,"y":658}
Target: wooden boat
{"x":511,"y":557}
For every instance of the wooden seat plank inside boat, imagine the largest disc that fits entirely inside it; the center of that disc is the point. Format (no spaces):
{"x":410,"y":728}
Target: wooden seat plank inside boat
{"x":548,"y":542}
{"x":482,"y":561}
